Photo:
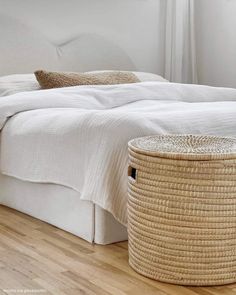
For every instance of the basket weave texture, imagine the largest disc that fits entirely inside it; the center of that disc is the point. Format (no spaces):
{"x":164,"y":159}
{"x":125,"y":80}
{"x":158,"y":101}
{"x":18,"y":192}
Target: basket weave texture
{"x":182,"y":209}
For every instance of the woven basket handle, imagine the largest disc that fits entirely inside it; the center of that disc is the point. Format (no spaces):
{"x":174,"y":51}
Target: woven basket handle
{"x":132,"y":174}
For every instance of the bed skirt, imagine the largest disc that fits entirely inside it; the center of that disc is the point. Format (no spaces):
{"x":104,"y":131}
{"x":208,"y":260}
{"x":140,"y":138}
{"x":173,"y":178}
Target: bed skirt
{"x":61,"y":206}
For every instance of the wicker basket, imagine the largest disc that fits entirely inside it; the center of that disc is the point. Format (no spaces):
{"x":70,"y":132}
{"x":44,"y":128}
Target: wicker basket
{"x":182,"y":209}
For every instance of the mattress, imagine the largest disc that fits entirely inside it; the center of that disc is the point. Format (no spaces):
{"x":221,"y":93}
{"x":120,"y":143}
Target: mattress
{"x":61,"y":207}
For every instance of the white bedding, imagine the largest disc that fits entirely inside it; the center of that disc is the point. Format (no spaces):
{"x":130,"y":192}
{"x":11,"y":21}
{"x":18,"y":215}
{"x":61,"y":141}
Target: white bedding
{"x":78,"y":136}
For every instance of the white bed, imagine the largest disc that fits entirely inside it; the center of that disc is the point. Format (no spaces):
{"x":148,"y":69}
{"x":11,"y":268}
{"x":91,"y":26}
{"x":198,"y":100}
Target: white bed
{"x":35,"y":35}
{"x":56,"y":204}
{"x":27,"y":184}
{"x":77,"y":136}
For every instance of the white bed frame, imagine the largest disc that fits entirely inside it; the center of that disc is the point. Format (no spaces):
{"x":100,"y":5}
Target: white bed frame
{"x":40,"y":35}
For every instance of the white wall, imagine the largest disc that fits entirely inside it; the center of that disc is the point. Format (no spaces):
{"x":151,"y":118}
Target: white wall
{"x":216,"y":42}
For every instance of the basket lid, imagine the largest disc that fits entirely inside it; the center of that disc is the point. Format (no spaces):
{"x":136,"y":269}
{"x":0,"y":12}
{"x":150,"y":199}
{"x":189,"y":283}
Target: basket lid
{"x":189,"y":147}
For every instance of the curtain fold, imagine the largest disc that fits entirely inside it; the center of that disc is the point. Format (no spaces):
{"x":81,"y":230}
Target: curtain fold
{"x":180,"y":51}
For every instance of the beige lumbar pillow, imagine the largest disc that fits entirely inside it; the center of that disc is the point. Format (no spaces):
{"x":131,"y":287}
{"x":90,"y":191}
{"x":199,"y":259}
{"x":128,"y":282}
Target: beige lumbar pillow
{"x":49,"y":80}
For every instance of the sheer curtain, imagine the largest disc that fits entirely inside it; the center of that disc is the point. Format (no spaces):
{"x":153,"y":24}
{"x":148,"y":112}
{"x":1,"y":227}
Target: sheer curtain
{"x":180,"y":55}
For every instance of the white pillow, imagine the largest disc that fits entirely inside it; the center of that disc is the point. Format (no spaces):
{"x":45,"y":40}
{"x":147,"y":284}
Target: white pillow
{"x":27,"y":82}
{"x":17,"y":83}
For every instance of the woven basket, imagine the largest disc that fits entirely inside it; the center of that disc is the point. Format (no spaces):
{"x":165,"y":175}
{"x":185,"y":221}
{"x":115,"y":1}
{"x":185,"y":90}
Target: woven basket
{"x":182,"y":209}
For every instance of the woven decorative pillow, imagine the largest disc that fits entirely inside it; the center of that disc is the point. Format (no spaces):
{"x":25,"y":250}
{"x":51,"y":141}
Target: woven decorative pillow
{"x":49,"y":80}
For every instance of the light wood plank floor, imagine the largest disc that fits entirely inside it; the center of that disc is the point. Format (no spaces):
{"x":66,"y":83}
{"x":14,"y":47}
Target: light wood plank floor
{"x":37,"y":258}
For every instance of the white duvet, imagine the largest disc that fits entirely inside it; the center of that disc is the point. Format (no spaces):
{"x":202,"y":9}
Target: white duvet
{"x":78,"y":136}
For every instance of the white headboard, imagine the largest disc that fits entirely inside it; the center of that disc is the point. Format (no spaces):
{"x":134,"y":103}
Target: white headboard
{"x":80,"y":35}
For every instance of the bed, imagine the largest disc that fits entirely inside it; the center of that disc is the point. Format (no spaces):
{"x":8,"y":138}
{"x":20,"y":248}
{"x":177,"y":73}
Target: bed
{"x":82,"y":188}
{"x":28,"y":43}
{"x":59,"y":205}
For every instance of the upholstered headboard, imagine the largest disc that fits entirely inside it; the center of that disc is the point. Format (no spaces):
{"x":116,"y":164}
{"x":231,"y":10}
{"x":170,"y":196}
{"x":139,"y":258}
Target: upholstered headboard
{"x":79,"y":35}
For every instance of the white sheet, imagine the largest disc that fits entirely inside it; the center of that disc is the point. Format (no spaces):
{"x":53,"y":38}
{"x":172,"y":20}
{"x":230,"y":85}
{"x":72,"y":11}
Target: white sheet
{"x":78,"y":136}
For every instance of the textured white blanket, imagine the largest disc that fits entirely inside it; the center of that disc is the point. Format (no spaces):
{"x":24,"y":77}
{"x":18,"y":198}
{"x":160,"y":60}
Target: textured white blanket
{"x":78,"y":136}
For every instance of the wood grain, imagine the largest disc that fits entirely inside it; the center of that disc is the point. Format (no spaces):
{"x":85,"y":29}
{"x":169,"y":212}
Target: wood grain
{"x":38,"y":258}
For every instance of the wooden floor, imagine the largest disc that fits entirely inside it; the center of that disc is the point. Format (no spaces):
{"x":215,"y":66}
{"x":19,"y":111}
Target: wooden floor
{"x":37,"y":258}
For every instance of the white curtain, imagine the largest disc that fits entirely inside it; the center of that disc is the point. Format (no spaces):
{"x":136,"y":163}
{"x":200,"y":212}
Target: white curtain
{"x":180,"y":55}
